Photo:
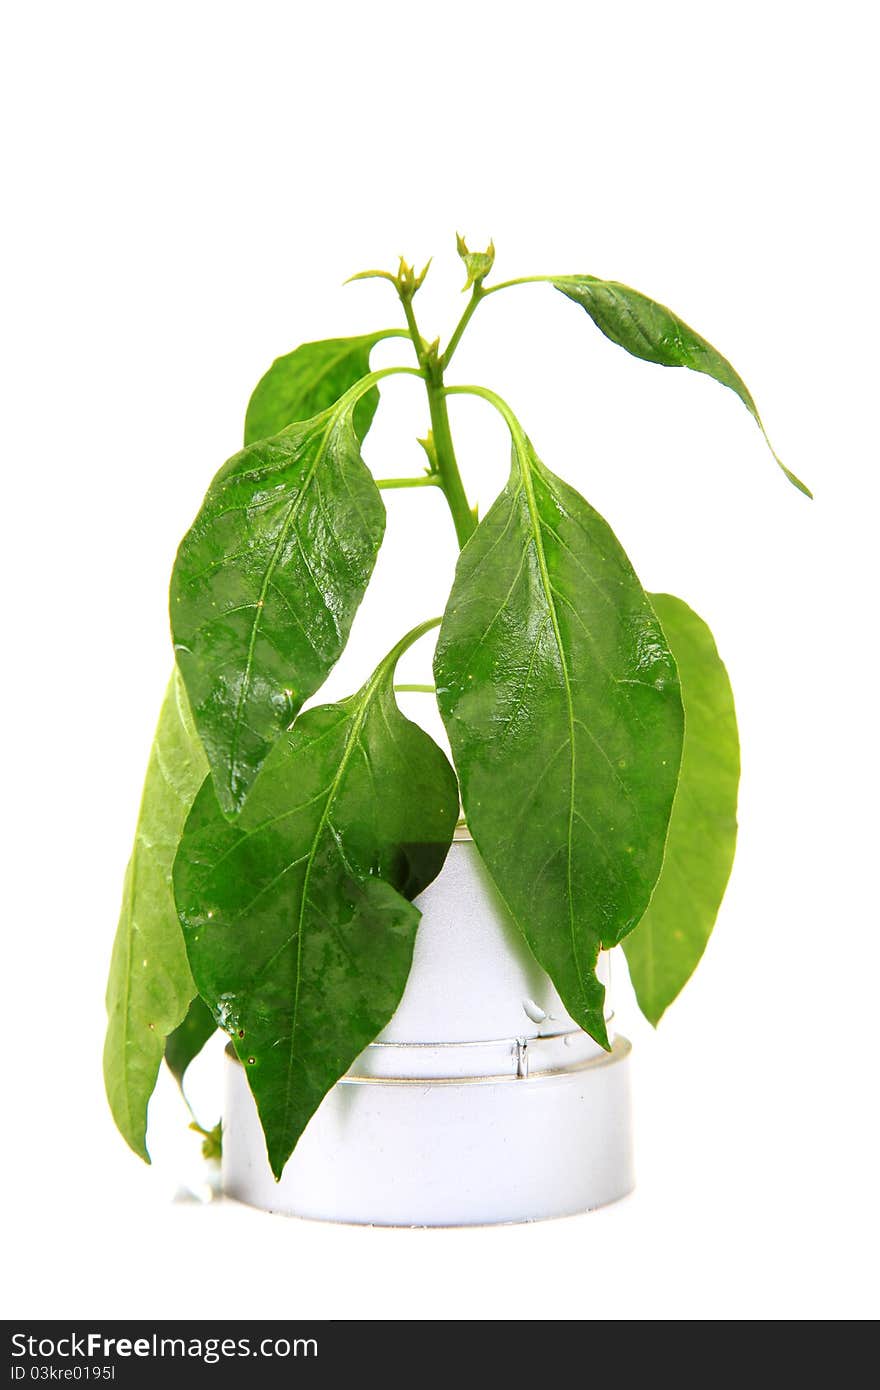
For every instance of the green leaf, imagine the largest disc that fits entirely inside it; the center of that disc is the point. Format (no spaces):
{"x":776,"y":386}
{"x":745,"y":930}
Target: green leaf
{"x":296,"y":916}
{"x":665,"y":947}
{"x":266,"y":585}
{"x":150,"y":984}
{"x":561,"y":701}
{"x":187,"y":1041}
{"x":309,"y":380}
{"x":651,"y":331}
{"x":476,"y":263}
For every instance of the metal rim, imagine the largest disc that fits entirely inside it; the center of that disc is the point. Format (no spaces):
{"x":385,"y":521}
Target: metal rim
{"x":620,"y":1048}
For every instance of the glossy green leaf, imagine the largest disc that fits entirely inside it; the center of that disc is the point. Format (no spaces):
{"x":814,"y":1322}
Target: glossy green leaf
{"x":266,"y":585}
{"x":561,"y":701}
{"x":150,"y":984}
{"x":651,"y":331}
{"x":187,"y":1041}
{"x":295,"y":915}
{"x":667,"y":944}
{"x":309,"y":380}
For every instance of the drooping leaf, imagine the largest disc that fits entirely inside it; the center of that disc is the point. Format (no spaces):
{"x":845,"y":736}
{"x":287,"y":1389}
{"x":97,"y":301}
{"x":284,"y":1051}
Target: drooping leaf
{"x":187,"y":1040}
{"x":651,"y":331}
{"x":295,"y":916}
{"x":266,"y":585}
{"x":561,"y":701}
{"x":309,"y":380}
{"x":150,"y":984}
{"x":666,"y":946}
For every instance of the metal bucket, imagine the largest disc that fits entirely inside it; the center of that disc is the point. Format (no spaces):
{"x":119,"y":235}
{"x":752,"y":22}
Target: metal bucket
{"x":481,"y":1102}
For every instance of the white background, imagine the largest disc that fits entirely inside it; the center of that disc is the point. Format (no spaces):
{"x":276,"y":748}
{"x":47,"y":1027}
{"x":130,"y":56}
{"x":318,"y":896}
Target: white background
{"x":187,"y":185}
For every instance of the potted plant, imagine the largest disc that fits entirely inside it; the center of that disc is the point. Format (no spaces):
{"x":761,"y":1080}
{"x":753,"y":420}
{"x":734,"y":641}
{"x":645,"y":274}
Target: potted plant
{"x":281,"y":851}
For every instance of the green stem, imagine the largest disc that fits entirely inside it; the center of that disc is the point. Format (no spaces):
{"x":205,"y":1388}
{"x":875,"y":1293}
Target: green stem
{"x":413,"y":328}
{"x":516,"y":430}
{"x":407,"y":641}
{"x":416,"y":689}
{"x":199,"y":1129}
{"x":447,"y":468}
{"x":476,"y":296}
{"x":525,"y":280}
{"x":427,"y":480}
{"x":360,"y":388}
{"x":448,"y":476}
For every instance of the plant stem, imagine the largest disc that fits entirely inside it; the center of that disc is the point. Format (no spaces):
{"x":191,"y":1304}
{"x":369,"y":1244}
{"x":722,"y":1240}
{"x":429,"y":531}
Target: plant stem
{"x":427,"y":480}
{"x":416,"y":689}
{"x":448,"y":475}
{"x":524,"y":280}
{"x":407,"y":641}
{"x":199,"y":1129}
{"x":516,"y":430}
{"x":360,"y":388}
{"x":417,"y":340}
{"x":463,"y":322}
{"x":447,"y":468}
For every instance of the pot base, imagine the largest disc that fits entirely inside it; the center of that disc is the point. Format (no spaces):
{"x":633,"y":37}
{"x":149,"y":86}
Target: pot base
{"x":461,"y":1151}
